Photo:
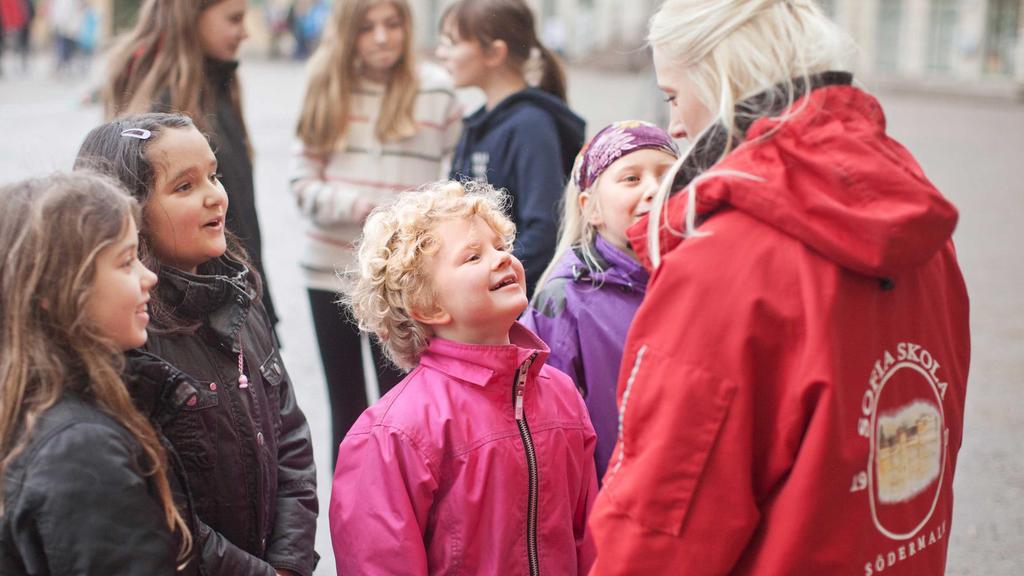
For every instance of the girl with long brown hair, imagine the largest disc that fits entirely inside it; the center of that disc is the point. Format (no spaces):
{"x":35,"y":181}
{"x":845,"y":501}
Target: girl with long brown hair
{"x":244,"y":443}
{"x":182,"y":56}
{"x":524,"y":138}
{"x":373,"y":122}
{"x":84,"y":475}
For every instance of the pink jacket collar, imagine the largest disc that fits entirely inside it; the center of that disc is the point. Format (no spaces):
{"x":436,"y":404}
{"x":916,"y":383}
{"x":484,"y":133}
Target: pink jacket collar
{"x":479,"y":364}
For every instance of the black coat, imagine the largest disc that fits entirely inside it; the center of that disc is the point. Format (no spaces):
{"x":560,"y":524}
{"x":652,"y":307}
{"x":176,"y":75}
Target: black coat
{"x":247,"y":452}
{"x":231,"y":147}
{"x":76,"y":501}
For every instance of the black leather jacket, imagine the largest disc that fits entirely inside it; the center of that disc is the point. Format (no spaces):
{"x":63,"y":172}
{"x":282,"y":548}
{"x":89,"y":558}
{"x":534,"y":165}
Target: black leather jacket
{"x":76,"y":501}
{"x":246,"y":452}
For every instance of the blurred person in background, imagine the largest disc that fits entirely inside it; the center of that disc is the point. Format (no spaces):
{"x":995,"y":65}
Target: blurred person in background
{"x":182,"y":56}
{"x":15,"y":18}
{"x":524,"y":138}
{"x":306,"y":20}
{"x":374,"y":122}
{"x":66,"y":18}
{"x":24,"y":38}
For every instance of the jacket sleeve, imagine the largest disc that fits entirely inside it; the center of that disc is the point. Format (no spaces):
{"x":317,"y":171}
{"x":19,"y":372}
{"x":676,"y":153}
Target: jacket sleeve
{"x":318,"y":199}
{"x":291,"y":543}
{"x":383,"y":490}
{"x":694,"y":458}
{"x":538,"y":186}
{"x":220,"y":556}
{"x":585,"y":551}
{"x":86,"y":504}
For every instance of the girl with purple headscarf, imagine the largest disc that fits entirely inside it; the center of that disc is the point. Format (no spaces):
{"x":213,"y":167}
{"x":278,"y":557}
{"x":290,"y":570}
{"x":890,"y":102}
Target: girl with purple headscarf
{"x":586,"y":299}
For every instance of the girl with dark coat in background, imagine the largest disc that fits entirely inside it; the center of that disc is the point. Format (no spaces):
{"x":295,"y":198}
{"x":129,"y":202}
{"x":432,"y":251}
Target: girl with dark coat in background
{"x":525,"y":138}
{"x":182,"y":56}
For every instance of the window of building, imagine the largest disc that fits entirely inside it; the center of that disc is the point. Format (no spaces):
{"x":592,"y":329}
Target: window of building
{"x":828,"y":7}
{"x":1001,"y":36}
{"x":942,"y":19}
{"x":887,"y":35}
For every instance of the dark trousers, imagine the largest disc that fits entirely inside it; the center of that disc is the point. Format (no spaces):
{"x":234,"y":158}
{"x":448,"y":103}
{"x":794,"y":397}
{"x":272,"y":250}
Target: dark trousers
{"x":342,"y":358}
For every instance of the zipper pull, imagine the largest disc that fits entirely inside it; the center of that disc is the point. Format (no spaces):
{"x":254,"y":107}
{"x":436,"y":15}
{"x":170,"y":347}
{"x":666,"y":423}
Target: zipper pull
{"x":521,"y":385}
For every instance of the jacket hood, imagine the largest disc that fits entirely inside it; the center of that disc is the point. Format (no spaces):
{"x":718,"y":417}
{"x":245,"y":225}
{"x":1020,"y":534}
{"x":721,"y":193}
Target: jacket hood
{"x":613,"y":267}
{"x":219,"y":295}
{"x":830,"y":177}
{"x":571,"y":128}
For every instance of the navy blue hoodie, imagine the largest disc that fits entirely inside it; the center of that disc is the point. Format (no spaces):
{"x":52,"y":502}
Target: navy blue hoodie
{"x":526,"y":145}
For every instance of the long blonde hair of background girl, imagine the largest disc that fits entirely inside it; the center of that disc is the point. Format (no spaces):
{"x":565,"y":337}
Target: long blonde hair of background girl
{"x":334,"y":74}
{"x":47,"y":345}
{"x":731,"y":50}
{"x":160,"y":57}
{"x":575,"y":230}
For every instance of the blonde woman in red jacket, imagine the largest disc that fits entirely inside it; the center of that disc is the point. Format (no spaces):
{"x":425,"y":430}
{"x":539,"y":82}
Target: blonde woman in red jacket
{"x":792,"y":389}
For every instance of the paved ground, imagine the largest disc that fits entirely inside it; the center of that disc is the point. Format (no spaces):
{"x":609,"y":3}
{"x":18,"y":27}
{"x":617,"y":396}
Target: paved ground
{"x":972,"y":150}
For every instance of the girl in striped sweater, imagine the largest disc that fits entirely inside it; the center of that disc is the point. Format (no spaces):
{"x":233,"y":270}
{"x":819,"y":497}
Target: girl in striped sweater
{"x":373,"y":123}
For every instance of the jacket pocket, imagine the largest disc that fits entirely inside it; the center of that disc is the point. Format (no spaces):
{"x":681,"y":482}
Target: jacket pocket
{"x":670,"y":416}
{"x":272,"y":371}
{"x":193,"y":432}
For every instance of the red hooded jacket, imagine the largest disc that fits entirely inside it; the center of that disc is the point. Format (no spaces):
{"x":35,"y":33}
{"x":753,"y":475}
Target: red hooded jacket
{"x":792,"y":390}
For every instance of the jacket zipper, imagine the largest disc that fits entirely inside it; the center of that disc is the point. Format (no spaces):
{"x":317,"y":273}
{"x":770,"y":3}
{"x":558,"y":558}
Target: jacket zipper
{"x":518,"y":392}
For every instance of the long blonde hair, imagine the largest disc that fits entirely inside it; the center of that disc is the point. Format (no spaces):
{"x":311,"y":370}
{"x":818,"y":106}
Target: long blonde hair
{"x":731,"y":50}
{"x":162,"y":57}
{"x":334,"y":74}
{"x":51,"y":231}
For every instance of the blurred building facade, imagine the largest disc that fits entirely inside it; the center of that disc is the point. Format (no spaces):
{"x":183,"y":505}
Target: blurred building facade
{"x":972,"y":46}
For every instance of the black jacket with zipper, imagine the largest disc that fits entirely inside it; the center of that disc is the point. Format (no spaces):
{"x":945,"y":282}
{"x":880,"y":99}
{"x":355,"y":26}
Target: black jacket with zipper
{"x":247,"y":452}
{"x":77,"y":500}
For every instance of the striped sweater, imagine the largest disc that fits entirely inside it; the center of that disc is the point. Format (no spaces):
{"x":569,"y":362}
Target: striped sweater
{"x":330,"y":191}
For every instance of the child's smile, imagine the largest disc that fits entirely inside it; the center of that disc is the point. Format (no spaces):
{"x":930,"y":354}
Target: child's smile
{"x":480,"y":286}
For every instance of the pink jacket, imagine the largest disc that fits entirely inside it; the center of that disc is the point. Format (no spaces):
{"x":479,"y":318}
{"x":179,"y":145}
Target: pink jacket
{"x":441,"y":477}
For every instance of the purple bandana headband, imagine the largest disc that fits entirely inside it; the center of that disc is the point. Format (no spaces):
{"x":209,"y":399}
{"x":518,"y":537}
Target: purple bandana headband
{"x":613,"y":142}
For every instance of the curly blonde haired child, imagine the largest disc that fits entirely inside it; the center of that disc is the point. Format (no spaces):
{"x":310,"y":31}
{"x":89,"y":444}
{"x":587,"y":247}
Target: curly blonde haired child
{"x":393,"y":280}
{"x":480,"y":418}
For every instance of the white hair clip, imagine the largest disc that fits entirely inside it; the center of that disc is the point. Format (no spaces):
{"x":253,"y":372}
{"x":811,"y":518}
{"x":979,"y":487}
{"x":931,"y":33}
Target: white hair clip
{"x":140,"y":133}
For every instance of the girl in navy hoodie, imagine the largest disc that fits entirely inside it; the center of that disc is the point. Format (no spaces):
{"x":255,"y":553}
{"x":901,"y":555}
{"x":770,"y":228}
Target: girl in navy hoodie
{"x":525,"y":137}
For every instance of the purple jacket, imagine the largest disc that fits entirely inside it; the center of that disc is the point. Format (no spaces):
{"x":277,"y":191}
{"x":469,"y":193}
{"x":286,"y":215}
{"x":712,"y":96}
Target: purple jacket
{"x":584,"y":318}
{"x":441,"y":477}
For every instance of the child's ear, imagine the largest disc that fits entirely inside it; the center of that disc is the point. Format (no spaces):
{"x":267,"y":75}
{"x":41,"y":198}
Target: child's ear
{"x":495,"y":53}
{"x":588,"y":209}
{"x":435,"y":317}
